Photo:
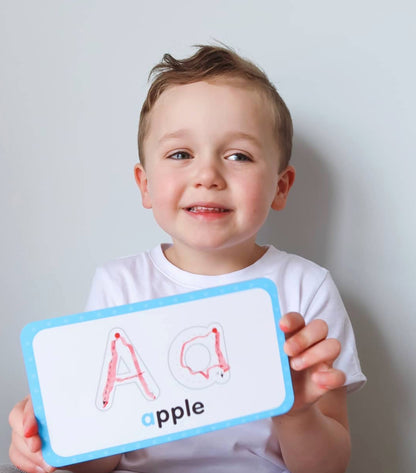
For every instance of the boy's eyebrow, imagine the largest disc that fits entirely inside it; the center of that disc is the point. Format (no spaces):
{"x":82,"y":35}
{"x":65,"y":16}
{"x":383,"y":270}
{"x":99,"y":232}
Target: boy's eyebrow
{"x":181,"y":133}
{"x":232,"y":135}
{"x":241,"y":135}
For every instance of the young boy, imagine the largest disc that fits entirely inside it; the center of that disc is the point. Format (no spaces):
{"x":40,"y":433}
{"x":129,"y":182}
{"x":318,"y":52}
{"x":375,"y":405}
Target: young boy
{"x":214,"y":144}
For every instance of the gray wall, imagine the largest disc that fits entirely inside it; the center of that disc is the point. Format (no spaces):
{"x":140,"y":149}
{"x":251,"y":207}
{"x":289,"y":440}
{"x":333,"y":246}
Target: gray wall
{"x":72,"y":78}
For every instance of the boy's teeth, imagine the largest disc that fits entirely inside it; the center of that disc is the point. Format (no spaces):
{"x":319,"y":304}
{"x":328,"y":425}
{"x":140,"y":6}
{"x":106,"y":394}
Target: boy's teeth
{"x":206,"y":209}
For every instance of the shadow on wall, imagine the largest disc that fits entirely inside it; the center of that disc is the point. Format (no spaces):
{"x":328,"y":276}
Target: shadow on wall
{"x":304,"y":228}
{"x":375,"y":426}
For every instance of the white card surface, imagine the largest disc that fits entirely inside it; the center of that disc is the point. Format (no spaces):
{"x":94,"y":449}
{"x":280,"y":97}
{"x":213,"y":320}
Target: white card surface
{"x":128,"y":377}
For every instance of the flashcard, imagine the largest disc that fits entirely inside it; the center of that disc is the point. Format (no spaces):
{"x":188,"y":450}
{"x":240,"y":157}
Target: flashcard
{"x":133,"y":376}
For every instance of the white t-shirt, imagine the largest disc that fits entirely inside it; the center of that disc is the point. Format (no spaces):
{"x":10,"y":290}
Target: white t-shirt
{"x":303,"y":287}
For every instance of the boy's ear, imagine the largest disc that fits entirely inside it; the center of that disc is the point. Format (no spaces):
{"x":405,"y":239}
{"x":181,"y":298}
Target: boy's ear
{"x":141,"y":180}
{"x":284,"y":183}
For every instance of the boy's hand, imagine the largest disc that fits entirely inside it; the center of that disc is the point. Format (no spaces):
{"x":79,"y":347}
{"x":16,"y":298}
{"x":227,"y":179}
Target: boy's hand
{"x":311,"y":355}
{"x":25,"y":448}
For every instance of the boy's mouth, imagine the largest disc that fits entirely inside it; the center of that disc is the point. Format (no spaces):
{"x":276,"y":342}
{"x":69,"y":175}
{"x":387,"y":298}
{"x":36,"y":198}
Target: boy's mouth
{"x":206,"y":209}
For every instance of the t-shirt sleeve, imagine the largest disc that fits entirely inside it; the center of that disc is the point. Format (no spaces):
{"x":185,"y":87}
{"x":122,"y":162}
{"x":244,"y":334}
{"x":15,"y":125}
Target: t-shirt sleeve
{"x":99,"y":296}
{"x":327,"y":305}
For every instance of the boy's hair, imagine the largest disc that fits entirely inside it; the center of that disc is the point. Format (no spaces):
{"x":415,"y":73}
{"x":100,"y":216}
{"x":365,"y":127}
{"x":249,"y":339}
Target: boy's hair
{"x":207,"y":63}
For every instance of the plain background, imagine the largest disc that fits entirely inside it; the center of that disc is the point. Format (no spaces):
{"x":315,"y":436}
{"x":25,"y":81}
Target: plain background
{"x":73,"y":75}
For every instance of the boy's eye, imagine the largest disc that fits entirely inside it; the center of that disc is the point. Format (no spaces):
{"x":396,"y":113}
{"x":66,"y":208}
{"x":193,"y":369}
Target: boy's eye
{"x":180,"y":155}
{"x":238,"y":157}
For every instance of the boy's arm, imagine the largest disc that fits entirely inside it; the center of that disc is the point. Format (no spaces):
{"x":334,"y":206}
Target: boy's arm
{"x":25,"y":448}
{"x":314,"y":435}
{"x":316,"y":439}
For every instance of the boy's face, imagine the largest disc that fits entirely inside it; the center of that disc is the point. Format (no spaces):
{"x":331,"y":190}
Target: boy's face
{"x":212,"y":165}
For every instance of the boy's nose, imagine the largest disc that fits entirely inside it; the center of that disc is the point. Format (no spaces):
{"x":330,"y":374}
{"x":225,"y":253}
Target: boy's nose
{"x":209,"y":175}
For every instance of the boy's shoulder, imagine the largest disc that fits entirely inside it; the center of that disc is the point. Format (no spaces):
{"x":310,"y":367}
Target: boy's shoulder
{"x":125,"y":264}
{"x":293,"y":263}
{"x":116,"y":282}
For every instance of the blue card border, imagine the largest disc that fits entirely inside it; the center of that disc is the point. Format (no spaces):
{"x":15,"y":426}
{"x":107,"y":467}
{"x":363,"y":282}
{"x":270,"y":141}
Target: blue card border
{"x":29,"y":332}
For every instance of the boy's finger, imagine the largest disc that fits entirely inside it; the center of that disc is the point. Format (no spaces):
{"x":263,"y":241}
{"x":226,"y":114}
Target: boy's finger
{"x":24,"y":460}
{"x":27,"y":466}
{"x":16,"y":416}
{"x":291,"y":323}
{"x":329,"y":379}
{"x":324,"y":352}
{"x":314,"y":332}
{"x":34,"y":443}
{"x":30,"y":426}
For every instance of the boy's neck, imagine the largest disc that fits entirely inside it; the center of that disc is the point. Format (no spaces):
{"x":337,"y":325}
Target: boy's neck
{"x":214,"y":262}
